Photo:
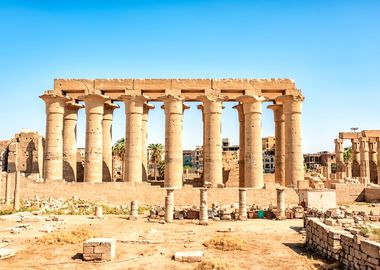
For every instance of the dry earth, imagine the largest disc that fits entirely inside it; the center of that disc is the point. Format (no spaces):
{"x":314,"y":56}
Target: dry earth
{"x":271,"y":244}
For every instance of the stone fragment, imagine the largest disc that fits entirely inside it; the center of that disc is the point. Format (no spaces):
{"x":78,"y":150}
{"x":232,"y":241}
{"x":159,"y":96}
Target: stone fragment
{"x":6,"y":253}
{"x":188,"y":256}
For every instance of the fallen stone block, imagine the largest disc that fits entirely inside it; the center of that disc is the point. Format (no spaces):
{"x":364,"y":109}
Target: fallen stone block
{"x":99,"y":249}
{"x":188,"y":256}
{"x":6,"y":253}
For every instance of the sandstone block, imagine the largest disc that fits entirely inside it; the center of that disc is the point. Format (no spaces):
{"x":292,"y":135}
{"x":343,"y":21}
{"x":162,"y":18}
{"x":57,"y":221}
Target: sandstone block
{"x":370,"y":248}
{"x":188,"y":256}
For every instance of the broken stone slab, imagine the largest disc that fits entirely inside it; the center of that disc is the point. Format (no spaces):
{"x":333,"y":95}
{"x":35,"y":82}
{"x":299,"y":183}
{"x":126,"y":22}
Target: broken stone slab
{"x":188,"y":256}
{"x":6,"y":253}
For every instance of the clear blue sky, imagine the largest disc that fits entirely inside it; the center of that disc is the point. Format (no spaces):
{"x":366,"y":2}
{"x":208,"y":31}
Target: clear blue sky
{"x":330,"y":48}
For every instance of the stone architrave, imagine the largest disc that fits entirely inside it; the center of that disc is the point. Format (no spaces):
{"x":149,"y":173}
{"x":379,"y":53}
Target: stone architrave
{"x":294,"y":168}
{"x":53,"y":156}
{"x":93,"y":160}
{"x":144,"y":144}
{"x":279,"y":127}
{"x":239,"y":109}
{"x":339,"y":153}
{"x":364,"y":160}
{"x":70,"y":141}
{"x":134,"y":108}
{"x":109,"y":107}
{"x":174,"y":108}
{"x":212,"y":155}
{"x":253,"y":154}
{"x":355,"y":158}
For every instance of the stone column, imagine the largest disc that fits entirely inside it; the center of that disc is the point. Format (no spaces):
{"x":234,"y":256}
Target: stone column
{"x":373,"y":160}
{"x":70,"y":141}
{"x":53,"y":156}
{"x":364,"y":160}
{"x":203,"y":210}
{"x":281,"y":203}
{"x":169,"y":205}
{"x":294,"y":168}
{"x":239,"y":109}
{"x":134,"y":215}
{"x":212,"y":157}
{"x":279,"y":127}
{"x":133,"y":138}
{"x":253,"y":154}
{"x":378,"y":160}
{"x":107,"y":122}
{"x":339,"y":153}
{"x":144,"y":144}
{"x":93,"y":160}
{"x":242,"y":203}
{"x":173,"y":107}
{"x":16,"y":197}
{"x":206,"y":173}
{"x":355,"y":158}
{"x":7,"y":199}
{"x":348,"y":169}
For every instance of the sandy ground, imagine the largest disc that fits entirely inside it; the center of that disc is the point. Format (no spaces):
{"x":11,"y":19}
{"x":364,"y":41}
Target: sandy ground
{"x":272,"y":244}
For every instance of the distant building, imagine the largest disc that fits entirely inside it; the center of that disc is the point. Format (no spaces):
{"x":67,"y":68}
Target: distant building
{"x":268,"y":143}
{"x":197,"y":158}
{"x":316,"y":160}
{"x":226,"y":144}
{"x":188,"y":158}
{"x":268,"y":161}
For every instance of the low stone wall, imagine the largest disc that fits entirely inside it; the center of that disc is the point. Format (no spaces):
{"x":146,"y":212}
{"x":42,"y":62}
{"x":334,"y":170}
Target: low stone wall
{"x":123,"y":193}
{"x":348,"y":193}
{"x":353,"y":251}
{"x":372,"y":194}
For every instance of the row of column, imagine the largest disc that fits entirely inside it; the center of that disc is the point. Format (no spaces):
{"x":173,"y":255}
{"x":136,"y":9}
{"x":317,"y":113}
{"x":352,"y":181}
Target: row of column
{"x":62,"y":114}
{"x":365,"y":153}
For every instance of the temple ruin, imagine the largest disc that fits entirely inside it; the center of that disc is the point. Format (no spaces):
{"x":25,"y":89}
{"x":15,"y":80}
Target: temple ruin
{"x":364,"y":163}
{"x":99,"y":96}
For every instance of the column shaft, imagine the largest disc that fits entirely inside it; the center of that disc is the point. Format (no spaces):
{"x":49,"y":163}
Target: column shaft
{"x":294,"y":169}
{"x":279,"y":127}
{"x":253,"y":154}
{"x":144,"y":143}
{"x":203,"y":209}
{"x":70,"y":141}
{"x":107,"y":122}
{"x":364,"y":160}
{"x":213,"y":154}
{"x":93,"y":162}
{"x":281,"y":203}
{"x":242,"y":204}
{"x":173,"y":107}
{"x":339,"y":153}
{"x":133,"y":138}
{"x":169,"y":205}
{"x":239,"y":108}
{"x":53,"y":157}
{"x":355,"y":158}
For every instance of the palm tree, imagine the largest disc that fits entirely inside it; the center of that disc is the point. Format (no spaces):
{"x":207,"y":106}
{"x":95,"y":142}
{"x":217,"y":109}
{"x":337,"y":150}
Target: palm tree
{"x":156,"y":150}
{"x":118,"y":148}
{"x":347,"y":154}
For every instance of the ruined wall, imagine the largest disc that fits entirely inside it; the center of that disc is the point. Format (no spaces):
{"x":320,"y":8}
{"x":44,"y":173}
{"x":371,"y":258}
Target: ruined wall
{"x":4,"y":154}
{"x":353,"y":251}
{"x":372,"y":195}
{"x":29,"y":153}
{"x":348,"y":193}
{"x":123,"y":193}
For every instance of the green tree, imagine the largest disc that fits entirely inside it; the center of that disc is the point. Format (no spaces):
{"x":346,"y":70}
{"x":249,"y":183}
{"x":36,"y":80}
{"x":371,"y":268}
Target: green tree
{"x":118,"y":148}
{"x":161,"y":168}
{"x":347,"y":154}
{"x":156,"y":151}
